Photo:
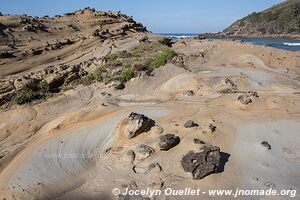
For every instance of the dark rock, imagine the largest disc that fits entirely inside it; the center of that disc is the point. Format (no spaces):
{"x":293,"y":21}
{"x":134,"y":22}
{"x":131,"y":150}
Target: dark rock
{"x":137,"y":124}
{"x":212,"y":128}
{"x":189,"y":93}
{"x":120,"y":86}
{"x":230,"y":82}
{"x":168,"y":141}
{"x":190,"y":124}
{"x":253,"y":94}
{"x":144,"y":39}
{"x":247,"y":98}
{"x":266,"y":145}
{"x":202,"y":163}
{"x":7,"y":55}
{"x":198,"y":141}
{"x":166,"y":41}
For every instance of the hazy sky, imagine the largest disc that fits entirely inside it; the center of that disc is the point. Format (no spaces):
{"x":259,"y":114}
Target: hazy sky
{"x":160,"y":16}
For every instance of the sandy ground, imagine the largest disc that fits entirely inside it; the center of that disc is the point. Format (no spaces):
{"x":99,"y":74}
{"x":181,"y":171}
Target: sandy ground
{"x":72,"y":147}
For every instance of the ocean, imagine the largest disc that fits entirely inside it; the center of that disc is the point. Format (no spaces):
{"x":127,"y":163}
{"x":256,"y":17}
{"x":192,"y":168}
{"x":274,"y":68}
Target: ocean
{"x":285,"y":44}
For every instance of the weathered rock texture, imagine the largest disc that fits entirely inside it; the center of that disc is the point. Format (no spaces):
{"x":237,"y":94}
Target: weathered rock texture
{"x":203,"y":163}
{"x":137,"y":124}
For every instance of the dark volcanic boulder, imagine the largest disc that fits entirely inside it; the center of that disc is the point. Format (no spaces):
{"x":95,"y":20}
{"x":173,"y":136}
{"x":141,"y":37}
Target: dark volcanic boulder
{"x":137,"y":124}
{"x":202,"y":163}
{"x":166,"y":142}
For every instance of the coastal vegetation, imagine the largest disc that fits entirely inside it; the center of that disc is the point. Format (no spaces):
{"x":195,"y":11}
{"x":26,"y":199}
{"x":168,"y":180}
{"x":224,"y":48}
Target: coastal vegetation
{"x":283,"y":18}
{"x":117,"y":66}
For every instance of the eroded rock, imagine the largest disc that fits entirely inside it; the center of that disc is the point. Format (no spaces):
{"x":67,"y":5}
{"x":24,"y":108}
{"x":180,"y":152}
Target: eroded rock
{"x":244,"y":99}
{"x":248,"y":97}
{"x":266,"y":145}
{"x":137,"y":124}
{"x":189,"y":93}
{"x":6,"y":86}
{"x":168,"y":141}
{"x":203,"y":163}
{"x":190,"y":124}
{"x":157,"y":129}
{"x":142,"y":152}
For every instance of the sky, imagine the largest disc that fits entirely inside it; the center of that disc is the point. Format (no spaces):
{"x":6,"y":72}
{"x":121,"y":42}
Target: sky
{"x":159,"y":16}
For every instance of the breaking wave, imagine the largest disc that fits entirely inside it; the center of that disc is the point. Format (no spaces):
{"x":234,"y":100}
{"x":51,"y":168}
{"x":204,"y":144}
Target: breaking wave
{"x":292,"y":44}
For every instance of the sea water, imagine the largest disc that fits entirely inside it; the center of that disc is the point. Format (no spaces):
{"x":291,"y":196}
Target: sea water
{"x":285,"y":44}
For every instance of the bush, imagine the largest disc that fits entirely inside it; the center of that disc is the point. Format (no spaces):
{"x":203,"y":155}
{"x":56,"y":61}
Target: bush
{"x":28,"y":95}
{"x":112,"y":56}
{"x":126,"y":74}
{"x":162,"y":58}
{"x":92,"y":77}
{"x":43,"y":86}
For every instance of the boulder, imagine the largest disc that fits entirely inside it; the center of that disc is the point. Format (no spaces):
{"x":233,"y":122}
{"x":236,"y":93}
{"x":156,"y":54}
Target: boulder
{"x":203,"y":163}
{"x":190,"y":124}
{"x":168,"y":141}
{"x":137,"y":124}
{"x":266,"y":145}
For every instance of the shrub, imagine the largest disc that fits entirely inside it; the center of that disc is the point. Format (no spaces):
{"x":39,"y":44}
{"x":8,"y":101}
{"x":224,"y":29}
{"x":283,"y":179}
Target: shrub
{"x":43,"y":86}
{"x":92,"y":77}
{"x":162,"y":58}
{"x":112,"y":56}
{"x":126,"y":74}
{"x":28,"y":95}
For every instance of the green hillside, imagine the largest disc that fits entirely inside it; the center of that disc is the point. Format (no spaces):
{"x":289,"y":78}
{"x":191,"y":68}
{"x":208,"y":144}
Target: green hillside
{"x":283,"y":18}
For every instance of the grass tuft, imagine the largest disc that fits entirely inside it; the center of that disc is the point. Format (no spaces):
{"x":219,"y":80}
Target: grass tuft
{"x":162,"y":58}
